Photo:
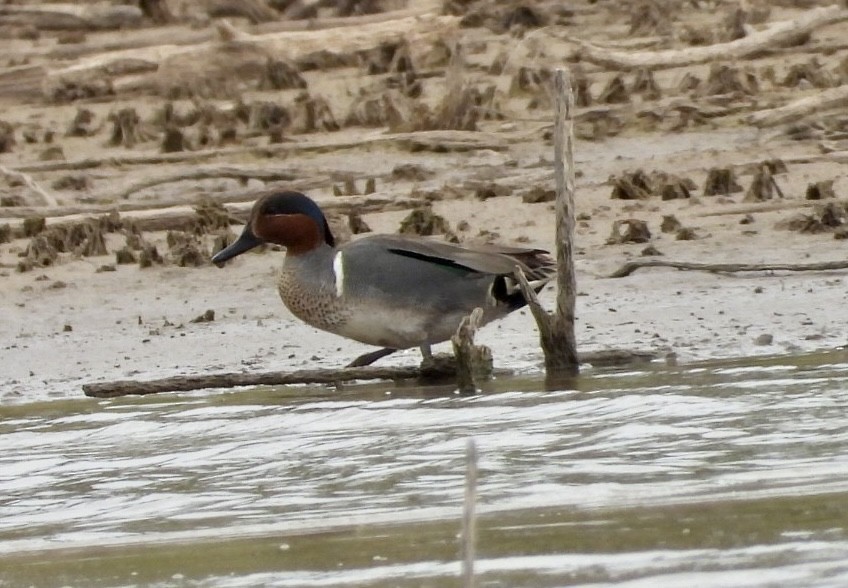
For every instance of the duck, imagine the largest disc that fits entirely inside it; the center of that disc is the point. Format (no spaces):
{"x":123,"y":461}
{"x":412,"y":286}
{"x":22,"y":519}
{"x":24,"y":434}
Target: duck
{"x":389,"y":291}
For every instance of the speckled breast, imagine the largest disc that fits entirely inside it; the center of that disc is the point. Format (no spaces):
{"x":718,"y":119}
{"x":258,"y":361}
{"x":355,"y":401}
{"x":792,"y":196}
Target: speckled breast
{"x":312,"y":303}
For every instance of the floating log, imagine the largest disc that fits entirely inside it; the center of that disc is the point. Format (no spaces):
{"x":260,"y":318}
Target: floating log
{"x":232,"y":380}
{"x":603,"y":358}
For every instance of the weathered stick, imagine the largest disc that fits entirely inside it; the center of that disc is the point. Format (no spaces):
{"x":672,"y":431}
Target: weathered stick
{"x":466,"y":353}
{"x":556,"y":332}
{"x":469,"y":516}
{"x":631,"y":266}
{"x":778,"y":34}
{"x":49,"y":199}
{"x":817,"y":103}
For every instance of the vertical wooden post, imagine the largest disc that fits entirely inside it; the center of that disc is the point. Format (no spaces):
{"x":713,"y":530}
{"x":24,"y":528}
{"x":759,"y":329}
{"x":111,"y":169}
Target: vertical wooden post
{"x":469,"y":516}
{"x":556,"y":331}
{"x":565,"y":359}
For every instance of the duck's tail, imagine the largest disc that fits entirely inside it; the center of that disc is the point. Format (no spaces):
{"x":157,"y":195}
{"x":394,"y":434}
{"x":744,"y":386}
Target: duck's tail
{"x":539,"y":268}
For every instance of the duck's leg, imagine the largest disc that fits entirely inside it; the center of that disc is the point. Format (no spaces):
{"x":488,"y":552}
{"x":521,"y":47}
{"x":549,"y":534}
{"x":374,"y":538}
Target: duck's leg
{"x":426,"y":352}
{"x":371,"y":357}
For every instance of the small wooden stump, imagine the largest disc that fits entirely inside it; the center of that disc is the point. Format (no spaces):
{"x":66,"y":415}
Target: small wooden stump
{"x":473,"y":362}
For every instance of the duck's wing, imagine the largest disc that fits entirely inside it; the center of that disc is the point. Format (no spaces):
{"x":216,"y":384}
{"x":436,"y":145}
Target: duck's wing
{"x":486,"y":259}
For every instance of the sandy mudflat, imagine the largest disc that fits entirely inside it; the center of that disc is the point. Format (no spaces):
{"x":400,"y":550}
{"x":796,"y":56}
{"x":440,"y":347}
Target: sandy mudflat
{"x":67,"y":323}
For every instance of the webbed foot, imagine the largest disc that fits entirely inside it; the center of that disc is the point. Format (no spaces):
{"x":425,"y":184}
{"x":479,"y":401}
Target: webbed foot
{"x":370,"y":357}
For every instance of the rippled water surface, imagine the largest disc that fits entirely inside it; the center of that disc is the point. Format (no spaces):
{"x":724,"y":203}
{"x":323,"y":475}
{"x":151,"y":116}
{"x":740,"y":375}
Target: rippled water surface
{"x":722,"y":474}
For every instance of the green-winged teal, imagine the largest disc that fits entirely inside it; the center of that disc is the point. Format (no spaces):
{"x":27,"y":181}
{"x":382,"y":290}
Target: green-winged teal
{"x":392,"y":291}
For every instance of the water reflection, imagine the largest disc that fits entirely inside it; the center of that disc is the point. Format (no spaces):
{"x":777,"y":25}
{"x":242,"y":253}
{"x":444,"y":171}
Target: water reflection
{"x":712,"y":475}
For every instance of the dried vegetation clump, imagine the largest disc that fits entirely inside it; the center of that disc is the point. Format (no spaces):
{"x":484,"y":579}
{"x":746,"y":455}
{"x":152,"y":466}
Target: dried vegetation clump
{"x":187,"y":246}
{"x":721,"y":182}
{"x":423,"y":221}
{"x":510,"y":17}
{"x":186,"y":249}
{"x":7,"y":136}
{"x":820,"y":190}
{"x":81,"y":239}
{"x":639,"y":185}
{"x":629,"y":230}
{"x":829,"y":217}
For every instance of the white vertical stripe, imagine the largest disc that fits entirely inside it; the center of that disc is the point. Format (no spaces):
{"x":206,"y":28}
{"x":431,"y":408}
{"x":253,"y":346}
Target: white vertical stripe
{"x":338,"y":271}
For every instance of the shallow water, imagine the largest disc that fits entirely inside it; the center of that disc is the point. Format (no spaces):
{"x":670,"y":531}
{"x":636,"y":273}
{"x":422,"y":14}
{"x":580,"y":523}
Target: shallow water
{"x":720,"y":474}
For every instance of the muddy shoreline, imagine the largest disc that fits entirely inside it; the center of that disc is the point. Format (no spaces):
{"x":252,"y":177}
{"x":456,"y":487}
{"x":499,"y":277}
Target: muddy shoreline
{"x":86,"y":317}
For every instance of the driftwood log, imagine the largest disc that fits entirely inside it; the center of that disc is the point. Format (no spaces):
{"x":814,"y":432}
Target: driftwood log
{"x":30,"y":183}
{"x":78,"y":16}
{"x":819,"y":102}
{"x":605,"y":358}
{"x":232,"y":380}
{"x":755,"y":207}
{"x":231,"y":172}
{"x":57,"y":212}
{"x":439,"y":140}
{"x":777,"y":35}
{"x":180,"y":216}
{"x":151,"y":67}
{"x":174,"y":34}
{"x":631,"y":266}
{"x":128,"y":160}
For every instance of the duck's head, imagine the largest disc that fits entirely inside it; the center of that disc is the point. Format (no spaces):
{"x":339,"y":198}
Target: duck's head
{"x":284,"y":218}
